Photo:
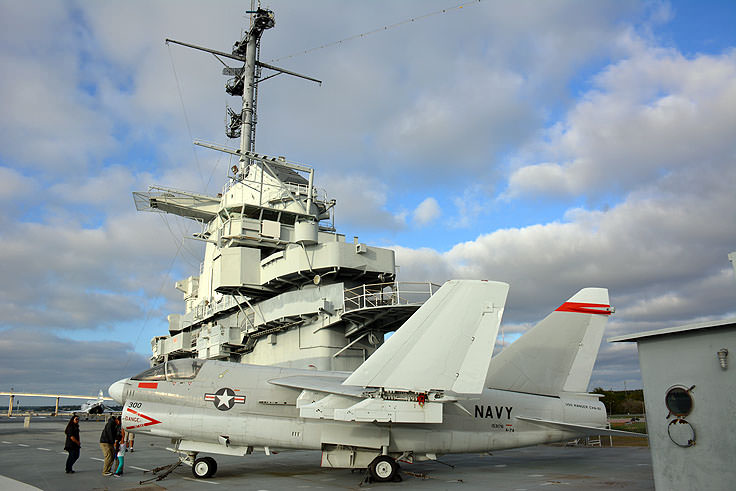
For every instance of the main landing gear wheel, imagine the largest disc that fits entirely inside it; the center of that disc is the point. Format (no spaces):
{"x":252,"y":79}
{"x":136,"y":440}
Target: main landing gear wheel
{"x":204,"y":467}
{"x":383,"y":469}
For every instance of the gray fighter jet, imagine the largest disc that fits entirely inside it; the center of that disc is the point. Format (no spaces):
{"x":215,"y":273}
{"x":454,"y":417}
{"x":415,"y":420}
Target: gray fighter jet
{"x":431,"y":389}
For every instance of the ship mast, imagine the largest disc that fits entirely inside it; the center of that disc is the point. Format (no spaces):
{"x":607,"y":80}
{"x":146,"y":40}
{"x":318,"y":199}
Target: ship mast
{"x":245,"y":80}
{"x":261,"y":20}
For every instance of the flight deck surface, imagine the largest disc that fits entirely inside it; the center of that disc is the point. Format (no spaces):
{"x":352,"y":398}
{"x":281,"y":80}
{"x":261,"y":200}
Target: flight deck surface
{"x":35,"y":457}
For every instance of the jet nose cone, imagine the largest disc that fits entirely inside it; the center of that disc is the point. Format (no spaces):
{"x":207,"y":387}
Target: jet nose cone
{"x":116,"y":390}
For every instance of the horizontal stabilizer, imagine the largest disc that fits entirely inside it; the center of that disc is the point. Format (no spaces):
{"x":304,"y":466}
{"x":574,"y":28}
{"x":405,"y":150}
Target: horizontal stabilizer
{"x":580,"y":429}
{"x":446,"y":345}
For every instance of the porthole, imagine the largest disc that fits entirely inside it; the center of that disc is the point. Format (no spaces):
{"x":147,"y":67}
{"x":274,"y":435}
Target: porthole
{"x":679,"y":401}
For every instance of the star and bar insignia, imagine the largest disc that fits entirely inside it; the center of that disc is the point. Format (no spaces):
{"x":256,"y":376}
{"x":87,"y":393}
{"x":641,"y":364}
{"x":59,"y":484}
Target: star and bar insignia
{"x":224,"y":399}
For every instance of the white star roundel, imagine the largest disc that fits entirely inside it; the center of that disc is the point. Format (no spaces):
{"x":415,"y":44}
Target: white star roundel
{"x":224,"y":399}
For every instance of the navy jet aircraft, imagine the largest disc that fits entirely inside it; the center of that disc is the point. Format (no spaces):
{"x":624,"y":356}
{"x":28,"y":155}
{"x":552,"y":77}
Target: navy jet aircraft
{"x":95,"y":406}
{"x":430,"y":389}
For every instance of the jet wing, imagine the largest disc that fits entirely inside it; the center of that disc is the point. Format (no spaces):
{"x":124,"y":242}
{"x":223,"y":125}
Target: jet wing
{"x":320,"y":383}
{"x":579,"y":429}
{"x":324,"y":397}
{"x":445,"y":346}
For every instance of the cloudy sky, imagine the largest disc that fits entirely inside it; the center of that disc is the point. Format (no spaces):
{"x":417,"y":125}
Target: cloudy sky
{"x":553,"y":145}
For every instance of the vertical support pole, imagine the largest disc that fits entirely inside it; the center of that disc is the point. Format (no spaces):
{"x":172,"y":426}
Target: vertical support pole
{"x":10,"y":405}
{"x":56,"y":411}
{"x":249,"y":74}
{"x":249,"y":80}
{"x":310,"y":191}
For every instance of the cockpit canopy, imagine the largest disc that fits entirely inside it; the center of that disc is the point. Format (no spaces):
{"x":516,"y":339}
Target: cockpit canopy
{"x":183,"y":369}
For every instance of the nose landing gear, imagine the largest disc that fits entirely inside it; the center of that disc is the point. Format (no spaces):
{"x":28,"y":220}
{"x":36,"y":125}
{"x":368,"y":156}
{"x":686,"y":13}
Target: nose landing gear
{"x":204,"y":467}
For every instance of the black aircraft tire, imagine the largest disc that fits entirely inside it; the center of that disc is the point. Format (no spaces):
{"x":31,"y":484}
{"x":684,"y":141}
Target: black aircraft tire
{"x":204,"y":467}
{"x":213,"y":466}
{"x":383,"y":468}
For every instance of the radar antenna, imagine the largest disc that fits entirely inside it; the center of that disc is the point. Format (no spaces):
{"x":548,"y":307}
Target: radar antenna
{"x":245,"y":80}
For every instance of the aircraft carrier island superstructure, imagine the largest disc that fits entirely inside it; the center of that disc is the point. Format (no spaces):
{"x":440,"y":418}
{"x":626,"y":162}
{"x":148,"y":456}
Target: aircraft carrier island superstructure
{"x":278,"y":284}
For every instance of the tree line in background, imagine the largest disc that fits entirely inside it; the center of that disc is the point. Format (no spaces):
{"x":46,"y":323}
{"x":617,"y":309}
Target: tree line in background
{"x":622,"y":401}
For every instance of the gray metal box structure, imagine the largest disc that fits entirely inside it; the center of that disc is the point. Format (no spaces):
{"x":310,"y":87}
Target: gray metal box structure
{"x":692,"y":439}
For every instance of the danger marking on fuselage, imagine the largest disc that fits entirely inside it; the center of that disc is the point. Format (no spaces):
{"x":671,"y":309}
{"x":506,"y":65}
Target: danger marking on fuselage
{"x":132,"y":422}
{"x":493,"y":412}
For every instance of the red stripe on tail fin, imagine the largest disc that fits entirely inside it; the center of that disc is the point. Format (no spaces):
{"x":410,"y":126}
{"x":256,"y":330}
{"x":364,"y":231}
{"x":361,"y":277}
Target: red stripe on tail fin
{"x":585,"y":308}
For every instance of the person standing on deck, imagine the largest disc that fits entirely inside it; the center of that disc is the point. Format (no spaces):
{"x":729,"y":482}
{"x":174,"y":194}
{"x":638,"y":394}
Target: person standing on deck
{"x":72,"y":444}
{"x":110,"y":434}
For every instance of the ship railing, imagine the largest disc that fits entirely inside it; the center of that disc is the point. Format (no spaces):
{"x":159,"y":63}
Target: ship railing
{"x":388,"y":294}
{"x":291,"y":186}
{"x":207,"y":309}
{"x":297,"y":189}
{"x":318,"y":194}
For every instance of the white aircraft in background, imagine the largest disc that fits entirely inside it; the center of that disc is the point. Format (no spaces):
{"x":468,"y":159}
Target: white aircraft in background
{"x":95,"y":406}
{"x":430,"y":389}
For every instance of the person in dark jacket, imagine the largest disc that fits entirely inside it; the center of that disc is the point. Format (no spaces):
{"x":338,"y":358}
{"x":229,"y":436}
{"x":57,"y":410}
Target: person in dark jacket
{"x":110,"y":434}
{"x":72,"y":444}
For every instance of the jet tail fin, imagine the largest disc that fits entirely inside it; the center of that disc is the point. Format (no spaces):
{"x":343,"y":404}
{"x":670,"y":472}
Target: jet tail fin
{"x":446,"y":345}
{"x":557,"y":355}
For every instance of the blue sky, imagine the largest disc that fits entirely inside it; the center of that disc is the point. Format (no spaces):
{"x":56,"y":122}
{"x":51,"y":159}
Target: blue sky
{"x":554,"y":145}
{"x":699,"y":27}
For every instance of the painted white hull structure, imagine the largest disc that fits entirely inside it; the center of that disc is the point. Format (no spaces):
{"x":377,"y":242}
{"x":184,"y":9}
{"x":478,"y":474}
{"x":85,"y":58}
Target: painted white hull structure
{"x":430,"y":389}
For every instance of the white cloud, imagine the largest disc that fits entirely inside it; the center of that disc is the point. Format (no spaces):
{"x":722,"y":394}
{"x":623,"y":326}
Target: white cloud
{"x":37,"y":361}
{"x":661,"y":239}
{"x":427,"y":211}
{"x":47,"y":124}
{"x":484,"y":108}
{"x":649,"y":115}
{"x":362,"y":202}
{"x":545,"y":178}
{"x":410,"y":99}
{"x":469,"y":205}
{"x":698,"y":301}
{"x":424,"y":264}
{"x":617,"y":367}
{"x":66,"y":276}
{"x":14,"y":185}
